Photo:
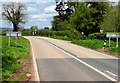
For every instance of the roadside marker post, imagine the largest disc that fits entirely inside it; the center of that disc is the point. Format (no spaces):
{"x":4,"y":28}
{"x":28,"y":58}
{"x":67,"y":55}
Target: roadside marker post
{"x":113,"y":35}
{"x":13,"y":34}
{"x":9,"y":40}
{"x":109,"y":41}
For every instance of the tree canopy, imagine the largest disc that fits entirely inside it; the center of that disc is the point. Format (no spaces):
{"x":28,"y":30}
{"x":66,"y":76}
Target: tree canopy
{"x":14,"y":13}
{"x":86,"y":17}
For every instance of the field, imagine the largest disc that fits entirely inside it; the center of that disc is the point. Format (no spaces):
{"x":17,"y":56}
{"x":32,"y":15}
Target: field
{"x":12,"y":56}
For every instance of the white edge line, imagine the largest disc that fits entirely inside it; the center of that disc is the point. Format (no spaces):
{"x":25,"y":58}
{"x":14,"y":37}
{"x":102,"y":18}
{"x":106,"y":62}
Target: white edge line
{"x":111,"y":73}
{"x":37,"y":78}
{"x":95,"y":69}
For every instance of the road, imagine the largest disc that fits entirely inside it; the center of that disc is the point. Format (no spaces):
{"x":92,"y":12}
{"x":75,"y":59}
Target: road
{"x":59,"y":60}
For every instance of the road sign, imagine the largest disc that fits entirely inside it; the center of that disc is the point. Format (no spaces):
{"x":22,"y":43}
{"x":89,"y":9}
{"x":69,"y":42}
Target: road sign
{"x":113,"y":35}
{"x":13,"y":34}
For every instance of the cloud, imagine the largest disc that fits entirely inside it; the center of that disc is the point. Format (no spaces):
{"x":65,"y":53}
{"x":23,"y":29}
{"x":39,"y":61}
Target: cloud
{"x":31,"y":9}
{"x":45,"y":0}
{"x":43,"y":19}
{"x":50,"y":9}
{"x":16,"y":1}
{"x":43,"y":16}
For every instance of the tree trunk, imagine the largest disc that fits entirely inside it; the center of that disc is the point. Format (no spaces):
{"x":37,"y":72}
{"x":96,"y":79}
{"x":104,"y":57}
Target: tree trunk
{"x":15,"y":27}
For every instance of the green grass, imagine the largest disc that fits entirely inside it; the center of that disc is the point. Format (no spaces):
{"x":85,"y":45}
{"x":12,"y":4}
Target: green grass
{"x":94,"y":44}
{"x":11,"y":54}
{"x":112,"y":50}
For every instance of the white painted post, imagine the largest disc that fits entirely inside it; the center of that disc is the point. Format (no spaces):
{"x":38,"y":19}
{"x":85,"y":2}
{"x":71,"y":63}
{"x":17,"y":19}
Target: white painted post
{"x":9,"y":39}
{"x":16,"y":39}
{"x":109,"y":41}
{"x":33,"y":33}
{"x":117,"y":40}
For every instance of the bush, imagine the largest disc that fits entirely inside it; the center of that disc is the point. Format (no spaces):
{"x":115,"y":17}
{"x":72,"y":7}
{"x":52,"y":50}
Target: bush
{"x":94,"y":44}
{"x":100,"y":36}
{"x":3,"y":32}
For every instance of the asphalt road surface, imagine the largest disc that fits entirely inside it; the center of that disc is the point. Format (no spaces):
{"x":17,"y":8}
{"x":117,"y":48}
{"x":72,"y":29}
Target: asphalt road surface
{"x":59,"y":60}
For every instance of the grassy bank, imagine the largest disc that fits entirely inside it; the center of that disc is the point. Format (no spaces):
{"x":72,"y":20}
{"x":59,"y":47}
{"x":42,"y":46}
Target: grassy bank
{"x":12,"y":56}
{"x":97,"y":44}
{"x":94,"y":44}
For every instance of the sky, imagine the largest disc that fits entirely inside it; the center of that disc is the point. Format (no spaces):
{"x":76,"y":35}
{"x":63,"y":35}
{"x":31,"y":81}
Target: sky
{"x":40,"y":13}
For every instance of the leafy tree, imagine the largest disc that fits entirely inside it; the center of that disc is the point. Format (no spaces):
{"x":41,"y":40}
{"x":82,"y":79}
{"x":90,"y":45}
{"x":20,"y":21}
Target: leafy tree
{"x":46,"y":27}
{"x":60,"y":22}
{"x":100,"y":8}
{"x":81,"y":19}
{"x":111,"y":20}
{"x":33,"y":28}
{"x":14,"y":13}
{"x":87,"y":18}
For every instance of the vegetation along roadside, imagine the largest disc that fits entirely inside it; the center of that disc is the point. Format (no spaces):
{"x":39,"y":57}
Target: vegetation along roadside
{"x":14,"y":57}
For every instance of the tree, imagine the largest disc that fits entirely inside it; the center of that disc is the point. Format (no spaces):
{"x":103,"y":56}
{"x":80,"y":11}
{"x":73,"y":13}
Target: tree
{"x":33,"y":28}
{"x":64,"y":9}
{"x":14,"y":13}
{"x":111,"y":20}
{"x":87,"y":17}
{"x":82,"y":19}
{"x":46,"y":27}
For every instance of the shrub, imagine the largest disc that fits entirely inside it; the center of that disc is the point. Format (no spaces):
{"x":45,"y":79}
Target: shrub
{"x":100,"y":36}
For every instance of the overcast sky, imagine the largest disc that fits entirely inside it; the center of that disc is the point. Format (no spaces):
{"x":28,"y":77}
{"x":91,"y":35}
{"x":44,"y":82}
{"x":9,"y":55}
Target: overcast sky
{"x":40,"y":13}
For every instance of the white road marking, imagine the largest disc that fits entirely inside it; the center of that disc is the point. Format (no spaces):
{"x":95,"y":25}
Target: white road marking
{"x":37,"y":78}
{"x":95,"y":69}
{"x":112,"y":74}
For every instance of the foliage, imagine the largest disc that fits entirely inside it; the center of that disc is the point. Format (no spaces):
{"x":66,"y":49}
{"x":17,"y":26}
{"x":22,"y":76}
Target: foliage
{"x":11,"y":54}
{"x":100,"y":36}
{"x":33,"y":28}
{"x":46,"y":27}
{"x":113,"y":50}
{"x":59,"y":23}
{"x":86,"y":19}
{"x":27,"y":32}
{"x":3,"y":32}
{"x":14,"y":13}
{"x":111,"y":20}
{"x":94,"y":44}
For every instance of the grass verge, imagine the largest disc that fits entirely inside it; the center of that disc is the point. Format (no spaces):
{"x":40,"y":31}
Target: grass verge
{"x":12,"y":55}
{"x":94,"y":44}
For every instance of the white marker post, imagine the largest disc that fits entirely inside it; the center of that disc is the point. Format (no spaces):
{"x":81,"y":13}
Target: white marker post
{"x":109,"y":41}
{"x":16,"y":39}
{"x":117,"y":40}
{"x":9,"y":39}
